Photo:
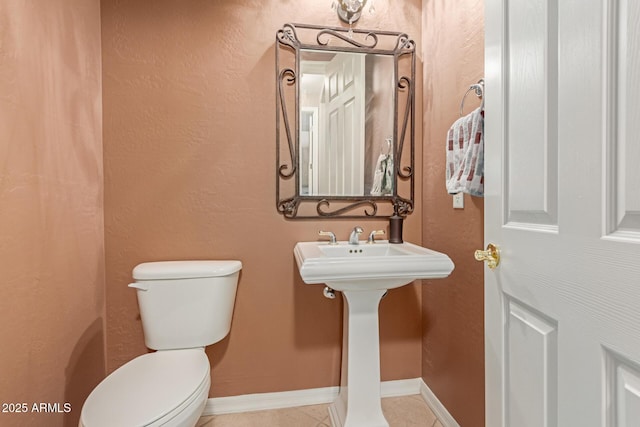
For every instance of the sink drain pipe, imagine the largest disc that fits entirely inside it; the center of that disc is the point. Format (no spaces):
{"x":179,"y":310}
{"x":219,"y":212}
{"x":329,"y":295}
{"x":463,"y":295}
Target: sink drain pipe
{"x":329,"y":293}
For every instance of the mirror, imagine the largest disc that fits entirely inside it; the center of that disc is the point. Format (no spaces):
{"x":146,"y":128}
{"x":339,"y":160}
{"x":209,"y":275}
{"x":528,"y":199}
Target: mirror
{"x":346,"y":125}
{"x":347,"y":149}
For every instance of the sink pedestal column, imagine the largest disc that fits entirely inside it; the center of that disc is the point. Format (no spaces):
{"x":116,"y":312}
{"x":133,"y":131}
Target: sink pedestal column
{"x":358,"y":403}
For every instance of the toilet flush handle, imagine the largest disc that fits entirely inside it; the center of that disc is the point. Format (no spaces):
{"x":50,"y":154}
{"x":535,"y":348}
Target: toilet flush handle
{"x":139,"y":286}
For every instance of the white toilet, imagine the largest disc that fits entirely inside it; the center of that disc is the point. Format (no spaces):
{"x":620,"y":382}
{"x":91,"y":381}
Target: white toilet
{"x":184,"y":306}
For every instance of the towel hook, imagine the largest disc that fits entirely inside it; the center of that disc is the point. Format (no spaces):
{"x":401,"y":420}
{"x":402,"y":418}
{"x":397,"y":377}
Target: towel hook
{"x":386,"y":148}
{"x":479,"y":90}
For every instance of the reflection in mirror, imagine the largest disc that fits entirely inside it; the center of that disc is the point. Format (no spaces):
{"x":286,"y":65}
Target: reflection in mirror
{"x":346,"y":125}
{"x":344,"y":122}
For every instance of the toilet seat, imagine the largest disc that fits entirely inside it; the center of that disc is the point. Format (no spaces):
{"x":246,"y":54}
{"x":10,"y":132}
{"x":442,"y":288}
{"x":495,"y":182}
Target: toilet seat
{"x":149,"y":390}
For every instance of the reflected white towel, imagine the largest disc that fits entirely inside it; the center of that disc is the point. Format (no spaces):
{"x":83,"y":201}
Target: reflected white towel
{"x":383,"y":174}
{"x":465,"y":155}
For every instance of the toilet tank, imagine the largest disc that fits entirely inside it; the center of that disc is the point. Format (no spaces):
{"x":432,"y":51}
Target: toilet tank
{"x":185,"y":304}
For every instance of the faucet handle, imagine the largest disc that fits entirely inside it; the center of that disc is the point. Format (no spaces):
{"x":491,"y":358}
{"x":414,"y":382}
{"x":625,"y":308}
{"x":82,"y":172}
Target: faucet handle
{"x":331,"y":234}
{"x":372,"y":238}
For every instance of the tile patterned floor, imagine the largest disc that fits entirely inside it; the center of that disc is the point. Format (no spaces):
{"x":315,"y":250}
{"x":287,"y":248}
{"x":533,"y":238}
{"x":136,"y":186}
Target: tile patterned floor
{"x":405,"y":411}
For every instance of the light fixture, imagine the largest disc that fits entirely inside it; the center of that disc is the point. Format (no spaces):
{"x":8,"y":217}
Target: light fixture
{"x":350,"y":10}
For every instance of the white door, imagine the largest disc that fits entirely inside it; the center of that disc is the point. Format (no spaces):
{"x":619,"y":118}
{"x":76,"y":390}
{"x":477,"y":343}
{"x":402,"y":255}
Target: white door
{"x":562,"y":182}
{"x":342,"y":150}
{"x":308,"y":147}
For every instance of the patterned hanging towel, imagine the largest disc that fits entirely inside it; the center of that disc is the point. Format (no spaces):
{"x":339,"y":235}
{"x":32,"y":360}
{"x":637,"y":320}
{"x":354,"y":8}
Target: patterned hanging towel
{"x":465,"y":155}
{"x":382,"y":178}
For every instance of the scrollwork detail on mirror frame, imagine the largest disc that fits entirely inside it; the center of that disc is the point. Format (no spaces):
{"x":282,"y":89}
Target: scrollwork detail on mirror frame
{"x":296,"y":38}
{"x":405,"y":82}
{"x":364,"y":204}
{"x":404,"y":207}
{"x":288,"y":207}
{"x":290,"y":76}
{"x":333,"y":33}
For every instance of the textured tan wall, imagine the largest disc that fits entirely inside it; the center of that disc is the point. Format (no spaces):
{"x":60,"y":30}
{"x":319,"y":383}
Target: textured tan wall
{"x":189,"y":135}
{"x":51,"y":220}
{"x":453,"y":336}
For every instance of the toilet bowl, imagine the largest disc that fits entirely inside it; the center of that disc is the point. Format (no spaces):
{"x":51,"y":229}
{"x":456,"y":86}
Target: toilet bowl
{"x":184,"y":306}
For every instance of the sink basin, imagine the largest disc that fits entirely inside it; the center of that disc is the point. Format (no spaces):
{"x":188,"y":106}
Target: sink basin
{"x":381,"y":265}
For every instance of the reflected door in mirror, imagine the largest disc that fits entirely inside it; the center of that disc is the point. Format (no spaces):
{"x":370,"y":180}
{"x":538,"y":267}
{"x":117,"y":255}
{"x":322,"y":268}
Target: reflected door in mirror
{"x":332,"y":117}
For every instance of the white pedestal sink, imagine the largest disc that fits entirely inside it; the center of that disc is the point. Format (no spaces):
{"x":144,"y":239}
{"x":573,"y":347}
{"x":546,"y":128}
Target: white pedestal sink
{"x":364,"y":273}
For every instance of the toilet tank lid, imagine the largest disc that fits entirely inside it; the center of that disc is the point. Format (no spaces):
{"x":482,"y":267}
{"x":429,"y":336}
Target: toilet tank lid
{"x":185,"y":269}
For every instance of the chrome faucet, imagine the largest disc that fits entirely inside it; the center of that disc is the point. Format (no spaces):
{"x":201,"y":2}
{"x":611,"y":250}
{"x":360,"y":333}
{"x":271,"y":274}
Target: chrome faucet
{"x":354,"y":238}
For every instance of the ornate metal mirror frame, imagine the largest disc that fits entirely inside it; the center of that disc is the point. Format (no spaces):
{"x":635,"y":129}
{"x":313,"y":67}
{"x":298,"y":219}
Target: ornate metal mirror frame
{"x":293,"y":40}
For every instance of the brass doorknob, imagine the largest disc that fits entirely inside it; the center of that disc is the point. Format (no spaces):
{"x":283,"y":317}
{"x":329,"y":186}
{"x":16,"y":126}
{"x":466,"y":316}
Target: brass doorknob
{"x":491,"y":255}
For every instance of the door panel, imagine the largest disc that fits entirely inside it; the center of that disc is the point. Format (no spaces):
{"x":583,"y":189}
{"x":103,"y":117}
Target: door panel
{"x":343,"y":146}
{"x":623,"y":390}
{"x":531,"y":344}
{"x":624,"y":120}
{"x":531,"y":128}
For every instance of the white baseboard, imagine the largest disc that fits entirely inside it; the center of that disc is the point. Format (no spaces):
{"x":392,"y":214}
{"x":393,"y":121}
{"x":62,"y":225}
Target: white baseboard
{"x":436,"y":406}
{"x":400,"y":387}
{"x":316,"y":396}
{"x":289,"y":399}
{"x":262,"y":401}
